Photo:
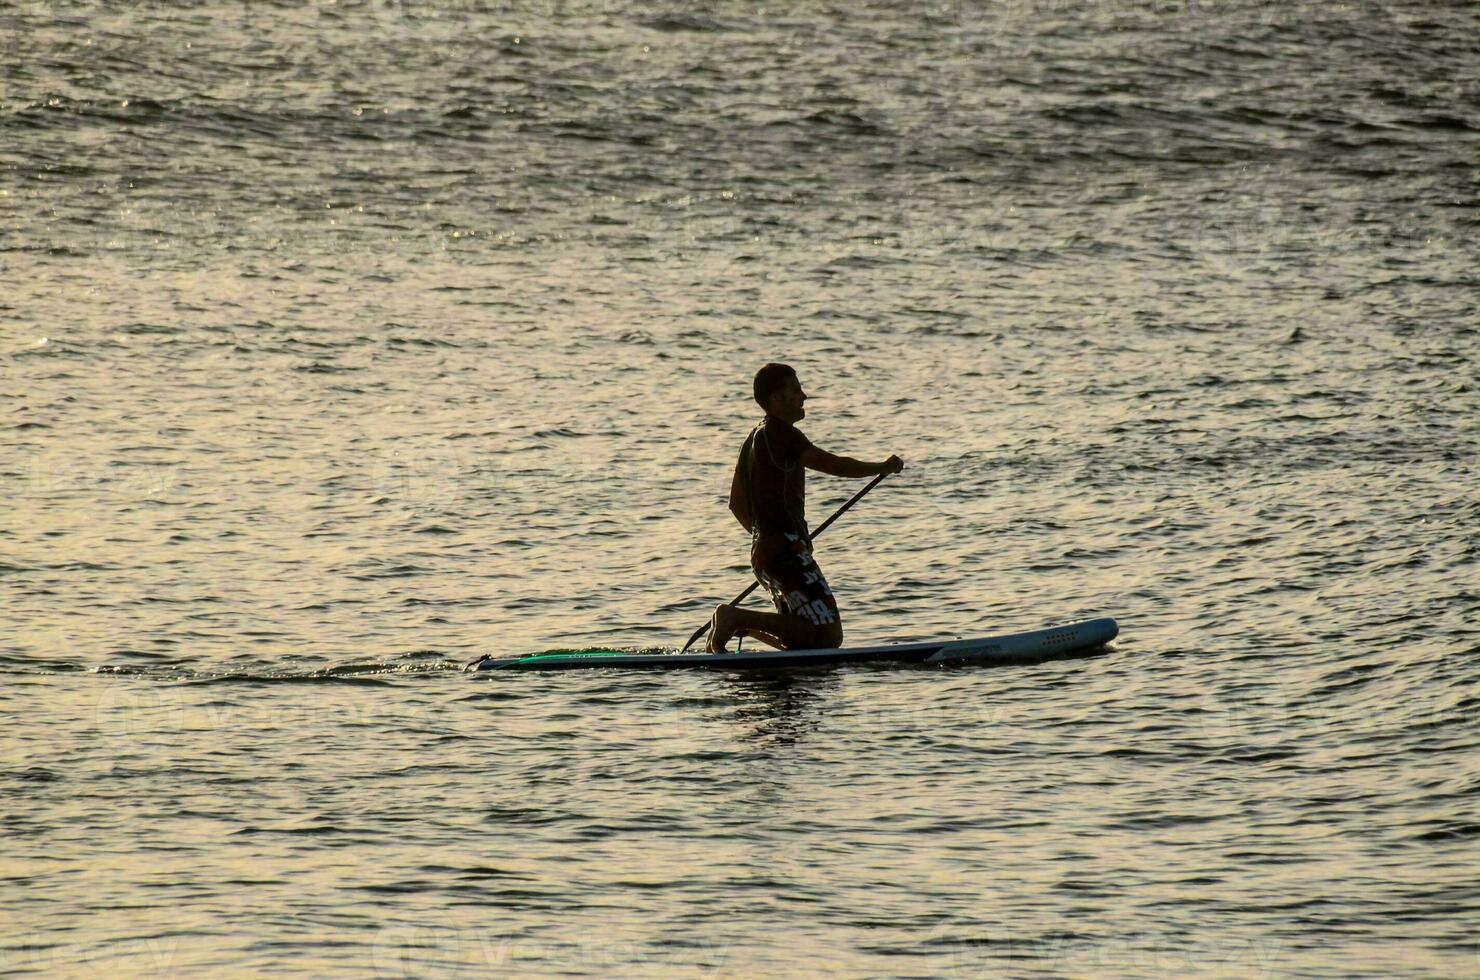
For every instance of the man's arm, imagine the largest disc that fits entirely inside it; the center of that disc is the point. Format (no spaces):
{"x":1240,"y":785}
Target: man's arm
{"x":739,"y":496}
{"x":825,"y":462}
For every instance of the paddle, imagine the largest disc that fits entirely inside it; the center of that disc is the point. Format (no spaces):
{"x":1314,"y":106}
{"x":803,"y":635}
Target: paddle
{"x":822,"y":527}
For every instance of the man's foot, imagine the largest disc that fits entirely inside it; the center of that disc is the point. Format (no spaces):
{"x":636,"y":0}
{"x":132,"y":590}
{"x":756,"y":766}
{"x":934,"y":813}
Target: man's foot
{"x":721,"y":628}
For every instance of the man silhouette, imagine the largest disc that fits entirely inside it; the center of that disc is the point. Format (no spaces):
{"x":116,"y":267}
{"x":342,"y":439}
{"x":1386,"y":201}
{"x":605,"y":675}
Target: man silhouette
{"x":768,"y":498}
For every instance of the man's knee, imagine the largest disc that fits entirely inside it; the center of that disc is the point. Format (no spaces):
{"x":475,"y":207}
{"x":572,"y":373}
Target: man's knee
{"x":830,"y":636}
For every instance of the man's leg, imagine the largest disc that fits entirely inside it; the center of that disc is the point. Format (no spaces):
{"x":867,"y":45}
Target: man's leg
{"x":806,"y":616}
{"x":785,"y":632}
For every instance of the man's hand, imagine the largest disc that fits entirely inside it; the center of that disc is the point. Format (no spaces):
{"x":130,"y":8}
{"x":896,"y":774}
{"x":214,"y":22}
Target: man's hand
{"x":892,"y":465}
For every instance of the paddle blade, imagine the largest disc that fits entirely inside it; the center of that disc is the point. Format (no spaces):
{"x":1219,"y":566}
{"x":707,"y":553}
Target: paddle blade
{"x":695,"y":638}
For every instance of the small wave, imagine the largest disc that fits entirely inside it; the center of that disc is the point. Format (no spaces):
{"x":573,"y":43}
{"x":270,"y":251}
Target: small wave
{"x":318,"y":830}
{"x":33,"y":774}
{"x":391,"y":571}
{"x":683,"y":23}
{"x":358,"y":673}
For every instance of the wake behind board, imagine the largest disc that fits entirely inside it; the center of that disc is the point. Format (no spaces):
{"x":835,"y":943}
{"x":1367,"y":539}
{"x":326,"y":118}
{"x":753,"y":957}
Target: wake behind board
{"x":1045,"y":644}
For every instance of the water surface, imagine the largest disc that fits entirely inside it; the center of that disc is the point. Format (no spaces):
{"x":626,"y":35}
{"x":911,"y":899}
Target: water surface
{"x":343,"y":343}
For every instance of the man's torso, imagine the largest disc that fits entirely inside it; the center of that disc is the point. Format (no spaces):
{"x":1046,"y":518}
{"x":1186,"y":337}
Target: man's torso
{"x":776,"y":480}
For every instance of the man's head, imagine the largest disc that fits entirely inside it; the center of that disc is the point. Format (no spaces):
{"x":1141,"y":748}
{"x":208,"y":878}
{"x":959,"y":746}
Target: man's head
{"x":778,"y":391}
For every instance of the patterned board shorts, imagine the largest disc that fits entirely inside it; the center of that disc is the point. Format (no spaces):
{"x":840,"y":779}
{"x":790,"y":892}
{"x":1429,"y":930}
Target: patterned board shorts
{"x":784,"y":565}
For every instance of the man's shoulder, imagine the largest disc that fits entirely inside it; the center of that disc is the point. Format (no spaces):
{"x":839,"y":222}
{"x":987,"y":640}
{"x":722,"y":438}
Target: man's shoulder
{"x":787,"y":437}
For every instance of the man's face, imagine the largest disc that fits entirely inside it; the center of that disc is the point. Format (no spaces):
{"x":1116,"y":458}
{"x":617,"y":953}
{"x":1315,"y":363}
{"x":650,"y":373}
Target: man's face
{"x":787,"y":402}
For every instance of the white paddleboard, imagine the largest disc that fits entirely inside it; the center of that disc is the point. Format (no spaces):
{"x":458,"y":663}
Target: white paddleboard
{"x":1044,"y":644}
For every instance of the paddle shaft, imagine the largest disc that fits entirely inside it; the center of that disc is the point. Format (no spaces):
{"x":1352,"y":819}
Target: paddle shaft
{"x":820,"y":528}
